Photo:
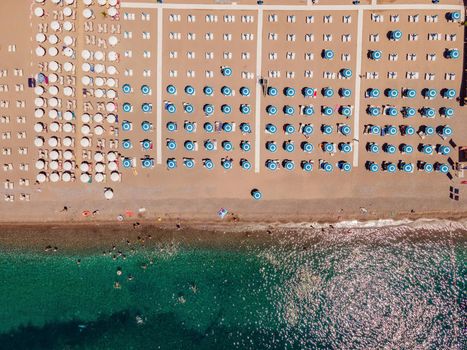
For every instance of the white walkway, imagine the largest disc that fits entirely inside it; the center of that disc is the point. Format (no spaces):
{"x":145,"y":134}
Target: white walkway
{"x":259,"y":59}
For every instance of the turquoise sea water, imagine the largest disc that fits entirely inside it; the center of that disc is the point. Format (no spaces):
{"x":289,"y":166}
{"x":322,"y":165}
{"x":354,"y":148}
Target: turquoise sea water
{"x":360,"y":289}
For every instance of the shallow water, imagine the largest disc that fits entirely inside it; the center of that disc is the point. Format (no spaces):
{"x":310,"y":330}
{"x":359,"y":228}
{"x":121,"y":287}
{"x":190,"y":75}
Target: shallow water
{"x":384,"y":288}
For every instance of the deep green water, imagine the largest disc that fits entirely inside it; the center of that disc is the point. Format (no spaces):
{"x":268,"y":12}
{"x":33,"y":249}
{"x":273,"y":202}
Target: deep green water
{"x":361,"y":290}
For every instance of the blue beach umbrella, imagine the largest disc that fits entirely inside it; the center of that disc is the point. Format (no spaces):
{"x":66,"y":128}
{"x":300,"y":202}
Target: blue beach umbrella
{"x":172,"y":90}
{"x":448,"y":93}
{"x":271,"y":128}
{"x":428,"y":112}
{"x":209,"y":145}
{"x":345,"y":92}
{"x":408,"y":130}
{"x":271,"y":146}
{"x":346,"y":72}
{"x":171,"y":144}
{"x":288,"y":164}
{"x":245,"y":128}
{"x":227,"y":145}
{"x":428,"y":130}
{"x":147,"y":162}
{"x":189,"y":127}
{"x":395,"y":34}
{"x":226,"y":71}
{"x":327,"y":167}
{"x":410,"y":93}
{"x":374,"y":111}
{"x":444,"y":150}
{"x":226,"y":164}
{"x":344,"y":166}
{"x":289,"y":129}
{"x":308,"y":110}
{"x":189,"y":145}
{"x":272,"y":91}
{"x":256,"y":194}
{"x":446,"y":130}
{"x":289,"y":92}
{"x":227,"y":127}
{"x":345,"y":129}
{"x":146,"y":144}
{"x":146,"y":90}
{"x":388,"y":148}
{"x":429,"y":93}
{"x":146,"y":126}
{"x":442,"y":168}
{"x":306,"y":166}
{"x":374,"y":129}
{"x":328,"y":92}
{"x":307,"y":129}
{"x":308,"y":92}
{"x":126,"y":125}
{"x":452,"y":53}
{"x":408,"y":112}
{"x":189,"y":163}
{"x":245,"y":164}
{"x":171,"y":163}
{"x":407,"y":167}
{"x":328,"y":147}
{"x":326,"y":129}
{"x":307,"y":147}
{"x":189,"y":90}
{"x":127,"y":107}
{"x":208,"y":91}
{"x":392,"y":93}
{"x":427,"y":167}
{"x":146,"y":107}
{"x":244,"y":91}
{"x":447,"y":112}
{"x":345,"y":147}
{"x":372,"y":147}
{"x":245,"y":109}
{"x":271,"y":110}
{"x":288,"y":146}
{"x":226,"y":91}
{"x":373,"y":92}
{"x":372,"y":166}
{"x":426,"y":149}
{"x":391,"y":111}
{"x":208,"y":109}
{"x":375,"y":55}
{"x":289,"y":110}
{"x":188,"y":108}
{"x":126,"y":88}
{"x":327,"y":111}
{"x":245,"y":146}
{"x":271,"y":165}
{"x":226,"y":109}
{"x":327,"y":54}
{"x":389,"y":167}
{"x":454,"y":16}
{"x":346,"y":111}
{"x":126,"y":144}
{"x":390,"y":130}
{"x":405,"y":148}
{"x":170,"y":107}
{"x":208,"y":163}
{"x":127,"y":163}
{"x":208,"y":127}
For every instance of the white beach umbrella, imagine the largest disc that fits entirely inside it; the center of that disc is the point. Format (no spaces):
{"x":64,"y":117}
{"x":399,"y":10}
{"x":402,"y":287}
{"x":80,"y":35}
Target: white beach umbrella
{"x":98,"y":55}
{"x":40,"y":164}
{"x":85,"y":118}
{"x":40,"y":51}
{"x":85,"y":142}
{"x":115,"y":176}
{"x":67,"y":11}
{"x":99,"y":167}
{"x":98,"y":117}
{"x":86,"y":67}
{"x":68,"y":91}
{"x":40,"y":1}
{"x":54,"y":66}
{"x":56,"y":1}
{"x":53,"y":165}
{"x":53,"y":142}
{"x":68,"y":154}
{"x":68,"y":115}
{"x":41,"y":177}
{"x":68,"y":127}
{"x":68,"y":66}
{"x":85,"y":178}
{"x":112,"y":2}
{"x":99,"y":68}
{"x":39,"y":113}
{"x":112,"y":166}
{"x":87,"y":13}
{"x":111,"y":70}
{"x":53,"y":114}
{"x":84,"y":167}
{"x":54,"y":155}
{"x":85,"y":129}
{"x":53,"y":51}
{"x":112,"y":56}
{"x":67,"y":165}
{"x":112,"y":11}
{"x":86,"y":80}
{"x":98,"y":130}
{"x":110,"y":107}
{"x":111,"y":156}
{"x":99,"y":93}
{"x":111,"y":94}
{"x":54,"y":177}
{"x":98,"y":157}
{"x":99,"y":177}
{"x":67,"y":141}
{"x":53,"y":89}
{"x":53,"y":102}
{"x":110,"y":82}
{"x":68,"y":26}
{"x":69,"y":2}
{"x":108,"y":193}
{"x":53,"y":39}
{"x":111,"y":118}
{"x":87,"y":2}
{"x":68,"y":52}
{"x":99,"y":81}
{"x":86,"y":54}
{"x":54,"y":127}
{"x":66,"y":177}
{"x":53,"y":78}
{"x":39,"y":12}
{"x":102,"y":2}
{"x":68,"y":40}
{"x":55,"y":25}
{"x":113,"y":40}
{"x":39,"y":141}
{"x":39,"y":102}
{"x":40,"y":37}
{"x":38,"y":127}
{"x":38,"y":90}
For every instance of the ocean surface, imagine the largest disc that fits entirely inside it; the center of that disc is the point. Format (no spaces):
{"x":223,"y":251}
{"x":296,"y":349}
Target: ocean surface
{"x":367,"y":288}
